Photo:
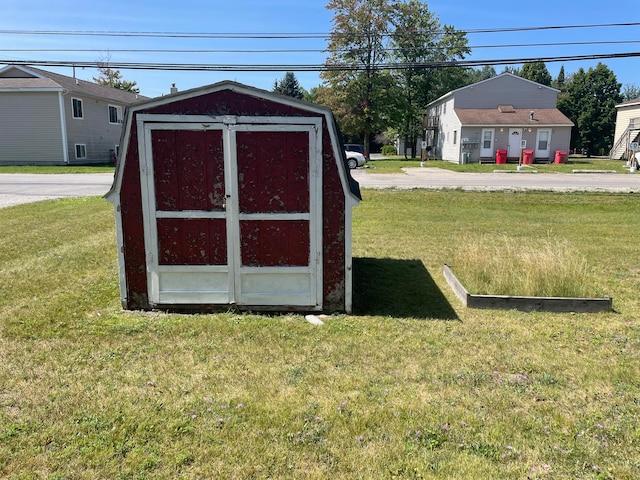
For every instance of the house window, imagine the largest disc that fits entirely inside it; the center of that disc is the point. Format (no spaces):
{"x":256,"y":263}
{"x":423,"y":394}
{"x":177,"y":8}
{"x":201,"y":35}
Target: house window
{"x":81,"y":151}
{"x":115,"y":114}
{"x":76,"y":105}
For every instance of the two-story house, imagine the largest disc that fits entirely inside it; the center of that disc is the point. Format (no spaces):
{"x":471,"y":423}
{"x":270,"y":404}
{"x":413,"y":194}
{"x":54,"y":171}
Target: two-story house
{"x":51,"y":119}
{"x":505,"y":112}
{"x":627,"y":128}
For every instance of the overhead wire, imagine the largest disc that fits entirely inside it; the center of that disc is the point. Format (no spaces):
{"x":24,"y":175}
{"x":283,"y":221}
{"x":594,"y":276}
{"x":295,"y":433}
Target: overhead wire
{"x":297,"y":35}
{"x":312,"y":67}
{"x":301,"y":35}
{"x":300,"y":50}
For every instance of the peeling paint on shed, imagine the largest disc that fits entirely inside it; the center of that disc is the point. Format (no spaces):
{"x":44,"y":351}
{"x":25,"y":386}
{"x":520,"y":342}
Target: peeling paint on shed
{"x":227,"y":195}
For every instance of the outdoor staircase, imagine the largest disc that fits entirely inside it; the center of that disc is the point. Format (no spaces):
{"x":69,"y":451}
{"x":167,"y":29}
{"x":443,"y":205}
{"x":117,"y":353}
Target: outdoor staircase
{"x":630,"y":134}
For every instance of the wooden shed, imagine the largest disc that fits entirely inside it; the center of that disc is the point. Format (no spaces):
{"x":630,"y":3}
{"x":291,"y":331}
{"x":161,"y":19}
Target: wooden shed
{"x":227,"y":195}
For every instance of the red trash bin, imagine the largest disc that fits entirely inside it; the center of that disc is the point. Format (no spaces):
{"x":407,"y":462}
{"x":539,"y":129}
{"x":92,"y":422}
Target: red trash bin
{"x":527,"y":156}
{"x":501,"y":156}
{"x":561,"y":156}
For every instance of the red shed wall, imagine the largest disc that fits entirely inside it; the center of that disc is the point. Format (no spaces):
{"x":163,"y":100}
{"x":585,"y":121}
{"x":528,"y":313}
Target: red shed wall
{"x":228,"y":102}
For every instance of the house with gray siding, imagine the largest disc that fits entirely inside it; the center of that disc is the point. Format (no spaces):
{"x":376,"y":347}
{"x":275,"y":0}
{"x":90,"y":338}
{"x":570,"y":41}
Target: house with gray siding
{"x":627,"y":128}
{"x":505,"y":112}
{"x":52,"y":119}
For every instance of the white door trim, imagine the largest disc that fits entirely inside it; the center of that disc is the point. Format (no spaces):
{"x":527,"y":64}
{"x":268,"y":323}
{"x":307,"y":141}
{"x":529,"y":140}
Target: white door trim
{"x":239,"y":278}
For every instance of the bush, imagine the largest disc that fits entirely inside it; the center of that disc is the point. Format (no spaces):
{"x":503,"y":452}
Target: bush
{"x":388,"y":150}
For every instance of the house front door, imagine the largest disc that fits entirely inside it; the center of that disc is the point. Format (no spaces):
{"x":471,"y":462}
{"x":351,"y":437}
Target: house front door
{"x":486,"y":148}
{"x":543,"y":142}
{"x":515,"y":137}
{"x":231,"y":212}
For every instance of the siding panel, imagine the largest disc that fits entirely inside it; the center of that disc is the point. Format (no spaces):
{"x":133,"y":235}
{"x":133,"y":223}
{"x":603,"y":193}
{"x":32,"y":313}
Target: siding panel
{"x":506,"y":90}
{"x":94,"y":130}
{"x":30,"y":131}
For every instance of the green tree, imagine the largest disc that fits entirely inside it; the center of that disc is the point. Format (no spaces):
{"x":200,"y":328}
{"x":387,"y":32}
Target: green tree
{"x":356,"y":87}
{"x":113,"y":78}
{"x":590,"y":102}
{"x":289,"y":86}
{"x":512,"y":70}
{"x":560,"y":80}
{"x":630,"y":91}
{"x":484,"y":73}
{"x":536,"y":72}
{"x":419,"y":38}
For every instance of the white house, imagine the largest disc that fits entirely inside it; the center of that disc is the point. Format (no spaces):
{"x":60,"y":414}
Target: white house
{"x":505,"y":112}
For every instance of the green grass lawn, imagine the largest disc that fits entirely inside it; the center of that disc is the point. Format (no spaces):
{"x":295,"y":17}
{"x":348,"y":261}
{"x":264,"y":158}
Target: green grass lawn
{"x":411,"y":385}
{"x":109,"y":168}
{"x":397,"y":163}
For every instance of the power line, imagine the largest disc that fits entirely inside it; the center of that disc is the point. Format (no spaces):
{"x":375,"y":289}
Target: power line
{"x":295,"y":35}
{"x":301,"y":50}
{"x":312,"y":67}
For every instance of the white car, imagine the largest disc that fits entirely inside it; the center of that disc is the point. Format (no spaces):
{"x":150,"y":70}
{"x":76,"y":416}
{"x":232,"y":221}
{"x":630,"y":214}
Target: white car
{"x":355,"y":159}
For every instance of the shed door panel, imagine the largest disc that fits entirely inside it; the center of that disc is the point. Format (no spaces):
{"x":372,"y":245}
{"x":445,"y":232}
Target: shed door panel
{"x":189,"y":263}
{"x":275,"y":218}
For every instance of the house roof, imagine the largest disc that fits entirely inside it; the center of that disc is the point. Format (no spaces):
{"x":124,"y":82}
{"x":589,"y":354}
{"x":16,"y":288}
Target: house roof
{"x":24,"y":78}
{"x":629,"y":103}
{"x":512,"y":116}
{"x":491,"y":79}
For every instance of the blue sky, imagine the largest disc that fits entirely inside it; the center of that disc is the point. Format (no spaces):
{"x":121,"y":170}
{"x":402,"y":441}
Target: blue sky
{"x":295,"y":16}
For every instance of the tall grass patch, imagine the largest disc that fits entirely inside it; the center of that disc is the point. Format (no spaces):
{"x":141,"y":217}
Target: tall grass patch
{"x":543,"y":267}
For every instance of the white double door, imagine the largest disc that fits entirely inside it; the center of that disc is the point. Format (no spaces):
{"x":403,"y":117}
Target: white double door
{"x":232,"y":210}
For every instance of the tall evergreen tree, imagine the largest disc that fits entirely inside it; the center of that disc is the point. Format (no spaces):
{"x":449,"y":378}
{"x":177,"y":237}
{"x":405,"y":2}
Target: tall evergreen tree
{"x":560,"y":80}
{"x":536,"y":72}
{"x":289,"y":86}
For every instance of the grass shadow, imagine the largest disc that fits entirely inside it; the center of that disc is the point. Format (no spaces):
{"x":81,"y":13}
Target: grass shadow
{"x":397,"y":288}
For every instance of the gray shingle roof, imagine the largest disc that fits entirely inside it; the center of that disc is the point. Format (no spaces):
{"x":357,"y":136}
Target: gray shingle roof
{"x":80,"y":87}
{"x":515,"y":116}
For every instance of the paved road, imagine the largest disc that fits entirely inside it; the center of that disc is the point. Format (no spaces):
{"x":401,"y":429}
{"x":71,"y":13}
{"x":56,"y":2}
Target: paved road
{"x":436,"y":178}
{"x":25,"y":188}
